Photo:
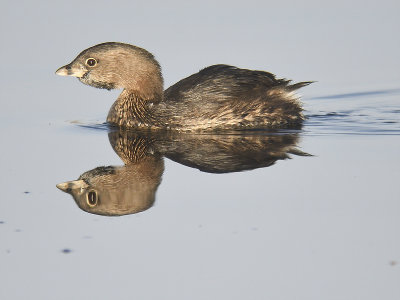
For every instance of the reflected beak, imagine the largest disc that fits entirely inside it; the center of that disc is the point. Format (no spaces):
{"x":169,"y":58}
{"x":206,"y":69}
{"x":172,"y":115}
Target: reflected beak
{"x":68,"y":70}
{"x":68,"y":186}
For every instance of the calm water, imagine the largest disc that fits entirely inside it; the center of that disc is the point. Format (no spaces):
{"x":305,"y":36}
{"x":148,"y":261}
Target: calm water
{"x":307,"y":214}
{"x":325,"y":224}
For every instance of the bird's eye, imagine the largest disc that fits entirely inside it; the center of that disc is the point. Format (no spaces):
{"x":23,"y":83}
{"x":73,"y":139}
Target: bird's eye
{"x":91,"y":62}
{"x":91,"y":198}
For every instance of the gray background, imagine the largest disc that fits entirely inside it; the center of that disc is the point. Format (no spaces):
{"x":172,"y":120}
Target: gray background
{"x":325,"y":227}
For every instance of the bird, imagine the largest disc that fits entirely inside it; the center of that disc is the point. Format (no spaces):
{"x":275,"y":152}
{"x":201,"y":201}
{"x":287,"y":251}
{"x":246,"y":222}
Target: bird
{"x":217,"y":98}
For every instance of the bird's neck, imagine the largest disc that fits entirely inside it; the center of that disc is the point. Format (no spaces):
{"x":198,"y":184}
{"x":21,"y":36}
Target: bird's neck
{"x":131,"y":110}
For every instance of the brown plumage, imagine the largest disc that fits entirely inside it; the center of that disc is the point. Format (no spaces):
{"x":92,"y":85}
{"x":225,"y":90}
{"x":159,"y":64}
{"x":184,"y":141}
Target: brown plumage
{"x":219,"y":97}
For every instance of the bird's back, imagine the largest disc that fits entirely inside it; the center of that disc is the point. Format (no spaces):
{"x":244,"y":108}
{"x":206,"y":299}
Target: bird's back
{"x":226,"y":97}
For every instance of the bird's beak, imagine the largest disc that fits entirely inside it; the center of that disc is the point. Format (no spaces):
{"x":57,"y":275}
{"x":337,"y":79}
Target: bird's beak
{"x":69,"y":70}
{"x":68,"y":186}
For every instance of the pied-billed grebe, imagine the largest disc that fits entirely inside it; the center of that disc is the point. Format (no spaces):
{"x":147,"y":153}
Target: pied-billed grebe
{"x":219,"y":97}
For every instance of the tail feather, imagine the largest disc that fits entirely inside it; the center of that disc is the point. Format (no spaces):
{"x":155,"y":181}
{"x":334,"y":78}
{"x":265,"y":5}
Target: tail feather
{"x":298,"y":152}
{"x":298,"y":85}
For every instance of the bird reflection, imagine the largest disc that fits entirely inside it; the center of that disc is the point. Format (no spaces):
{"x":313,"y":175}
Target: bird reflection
{"x":131,"y":188}
{"x":120,"y":190}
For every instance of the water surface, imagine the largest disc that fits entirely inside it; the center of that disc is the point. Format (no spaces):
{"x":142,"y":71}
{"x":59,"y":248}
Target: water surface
{"x":316,"y":224}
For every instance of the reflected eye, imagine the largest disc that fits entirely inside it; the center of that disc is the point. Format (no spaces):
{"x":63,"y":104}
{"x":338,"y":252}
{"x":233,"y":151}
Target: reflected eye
{"x":91,"y":198}
{"x":91,"y":62}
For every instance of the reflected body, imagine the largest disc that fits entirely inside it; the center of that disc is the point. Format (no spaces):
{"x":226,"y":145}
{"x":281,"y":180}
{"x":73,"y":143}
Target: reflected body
{"x":115,"y":191}
{"x":219,"y":97}
{"x":131,"y":188}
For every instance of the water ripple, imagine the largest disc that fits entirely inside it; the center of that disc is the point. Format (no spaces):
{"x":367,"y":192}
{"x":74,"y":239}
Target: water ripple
{"x":374,"y":112}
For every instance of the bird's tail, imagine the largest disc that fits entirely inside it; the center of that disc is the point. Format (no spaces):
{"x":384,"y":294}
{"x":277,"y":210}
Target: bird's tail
{"x":298,"y":85}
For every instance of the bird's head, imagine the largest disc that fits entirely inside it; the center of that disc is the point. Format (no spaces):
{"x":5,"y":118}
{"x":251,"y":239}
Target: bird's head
{"x":117,"y":66}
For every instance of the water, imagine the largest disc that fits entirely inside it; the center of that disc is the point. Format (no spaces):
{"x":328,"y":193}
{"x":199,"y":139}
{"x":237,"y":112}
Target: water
{"x":372,"y":112}
{"x":305,"y":214}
